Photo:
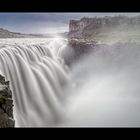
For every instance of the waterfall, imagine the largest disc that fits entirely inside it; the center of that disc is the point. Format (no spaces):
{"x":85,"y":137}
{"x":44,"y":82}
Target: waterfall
{"x":37,"y":76}
{"x":101,"y":89}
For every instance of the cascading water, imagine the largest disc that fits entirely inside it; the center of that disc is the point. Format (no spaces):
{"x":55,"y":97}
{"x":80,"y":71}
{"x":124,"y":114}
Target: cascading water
{"x":37,"y":78}
{"x":106,"y":84}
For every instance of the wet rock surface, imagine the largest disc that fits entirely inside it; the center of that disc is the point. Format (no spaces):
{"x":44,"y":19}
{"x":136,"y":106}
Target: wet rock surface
{"x":6,"y":104}
{"x":78,"y":48}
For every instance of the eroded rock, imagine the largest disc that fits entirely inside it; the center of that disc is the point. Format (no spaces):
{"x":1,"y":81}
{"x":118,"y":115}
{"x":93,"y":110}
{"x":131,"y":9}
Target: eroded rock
{"x":6,"y":104}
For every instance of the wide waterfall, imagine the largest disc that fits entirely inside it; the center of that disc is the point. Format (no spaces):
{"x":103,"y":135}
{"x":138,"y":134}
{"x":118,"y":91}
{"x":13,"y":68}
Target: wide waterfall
{"x":101,"y":89}
{"x":37,"y":76}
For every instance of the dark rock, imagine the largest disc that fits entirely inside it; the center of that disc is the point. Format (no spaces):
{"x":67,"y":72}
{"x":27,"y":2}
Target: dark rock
{"x":1,"y":111}
{"x":2,"y":79}
{"x":6,"y":104}
{"x":11,"y":122}
{"x":8,"y":107}
{"x":78,"y":48}
{"x":6,"y":121}
{"x":6,"y":91}
{"x":7,"y":83}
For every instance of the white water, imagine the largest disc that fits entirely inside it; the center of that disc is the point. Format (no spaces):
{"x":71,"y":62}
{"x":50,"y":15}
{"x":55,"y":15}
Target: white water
{"x":108,"y":88}
{"x":37,"y":78}
{"x":107,"y":84}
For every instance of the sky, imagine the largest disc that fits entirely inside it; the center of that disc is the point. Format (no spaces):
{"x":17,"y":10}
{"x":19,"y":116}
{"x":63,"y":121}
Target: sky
{"x":45,"y":23}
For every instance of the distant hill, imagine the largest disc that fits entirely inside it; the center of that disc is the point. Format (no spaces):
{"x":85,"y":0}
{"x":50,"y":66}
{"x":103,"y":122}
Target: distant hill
{"x":4,"y":33}
{"x":8,"y":34}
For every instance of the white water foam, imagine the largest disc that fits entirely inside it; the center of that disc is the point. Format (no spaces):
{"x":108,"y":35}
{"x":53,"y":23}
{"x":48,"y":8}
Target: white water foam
{"x":37,"y":78}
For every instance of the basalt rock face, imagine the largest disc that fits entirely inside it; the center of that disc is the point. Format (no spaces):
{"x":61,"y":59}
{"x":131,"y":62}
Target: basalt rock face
{"x":77,"y":48}
{"x":86,"y":27}
{"x":6,"y":104}
{"x":87,"y":34}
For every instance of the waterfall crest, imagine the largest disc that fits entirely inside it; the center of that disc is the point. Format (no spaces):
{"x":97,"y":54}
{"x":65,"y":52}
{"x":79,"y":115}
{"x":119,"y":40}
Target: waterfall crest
{"x":38,"y":77}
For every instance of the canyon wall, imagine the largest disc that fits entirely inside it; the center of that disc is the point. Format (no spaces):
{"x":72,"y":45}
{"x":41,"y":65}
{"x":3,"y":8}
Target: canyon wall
{"x":86,"y":34}
{"x":86,"y":27}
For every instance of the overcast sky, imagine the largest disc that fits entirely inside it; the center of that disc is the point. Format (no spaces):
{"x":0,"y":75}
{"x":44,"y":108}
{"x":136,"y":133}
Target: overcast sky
{"x":44,"y":22}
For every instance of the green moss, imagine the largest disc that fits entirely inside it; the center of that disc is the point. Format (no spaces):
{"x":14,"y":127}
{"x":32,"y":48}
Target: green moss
{"x":2,"y":99}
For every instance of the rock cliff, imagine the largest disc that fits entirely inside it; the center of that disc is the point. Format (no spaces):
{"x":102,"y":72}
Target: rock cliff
{"x":86,"y":27}
{"x":6,"y":104}
{"x":88,"y":33}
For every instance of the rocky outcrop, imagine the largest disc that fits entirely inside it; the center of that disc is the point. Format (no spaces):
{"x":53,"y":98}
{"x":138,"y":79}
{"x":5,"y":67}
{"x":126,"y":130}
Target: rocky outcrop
{"x":77,"y":48}
{"x":6,"y":104}
{"x":86,"y":27}
{"x":88,"y":33}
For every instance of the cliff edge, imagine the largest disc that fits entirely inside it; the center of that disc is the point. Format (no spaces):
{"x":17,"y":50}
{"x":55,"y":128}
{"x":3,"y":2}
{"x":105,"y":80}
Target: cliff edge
{"x":105,"y":29}
{"x":87,"y":34}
